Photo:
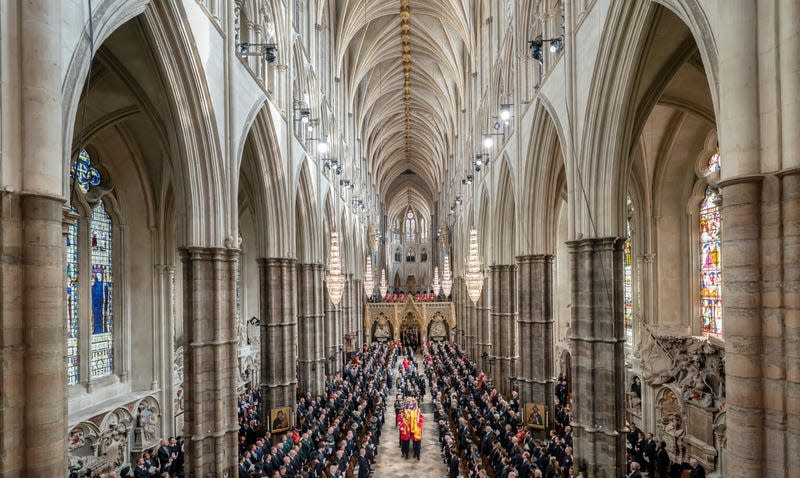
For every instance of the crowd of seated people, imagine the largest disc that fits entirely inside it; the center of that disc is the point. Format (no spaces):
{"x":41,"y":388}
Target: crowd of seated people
{"x":336,"y":435}
{"x":480,"y":431}
{"x":482,"y":435}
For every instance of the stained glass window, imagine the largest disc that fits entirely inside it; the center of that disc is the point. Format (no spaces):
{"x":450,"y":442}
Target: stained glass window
{"x":84,"y":174}
{"x":71,"y":307}
{"x":711,"y":263}
{"x":628,"y":271}
{"x":102,"y":288}
{"x":713,"y":163}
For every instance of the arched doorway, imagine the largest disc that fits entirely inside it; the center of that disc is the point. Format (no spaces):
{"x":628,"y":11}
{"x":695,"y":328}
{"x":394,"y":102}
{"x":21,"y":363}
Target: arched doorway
{"x":410,"y":330}
{"x":566,"y":369}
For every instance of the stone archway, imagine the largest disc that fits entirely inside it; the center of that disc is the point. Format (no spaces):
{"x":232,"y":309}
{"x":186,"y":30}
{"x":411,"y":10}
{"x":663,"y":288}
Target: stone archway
{"x":411,"y":331}
{"x":566,"y":368}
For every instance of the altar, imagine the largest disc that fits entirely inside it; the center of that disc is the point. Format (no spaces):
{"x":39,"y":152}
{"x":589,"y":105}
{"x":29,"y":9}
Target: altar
{"x":426,"y":321}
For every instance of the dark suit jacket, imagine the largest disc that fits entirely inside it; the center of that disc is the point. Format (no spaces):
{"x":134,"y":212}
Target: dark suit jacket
{"x":635,"y":474}
{"x":698,"y":472}
{"x":363,"y":467}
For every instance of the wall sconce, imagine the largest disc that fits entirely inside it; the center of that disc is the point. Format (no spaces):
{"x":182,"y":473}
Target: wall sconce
{"x":535,"y":46}
{"x":488,"y":141}
{"x":304,"y":117}
{"x":480,"y":161}
{"x":468,"y":180}
{"x":506,"y":112}
{"x":332,"y":164}
{"x":322,"y":145}
{"x":268,"y":51}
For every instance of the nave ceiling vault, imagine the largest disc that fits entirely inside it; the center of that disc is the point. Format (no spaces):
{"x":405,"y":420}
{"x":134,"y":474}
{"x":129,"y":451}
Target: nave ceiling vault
{"x":370,"y":56}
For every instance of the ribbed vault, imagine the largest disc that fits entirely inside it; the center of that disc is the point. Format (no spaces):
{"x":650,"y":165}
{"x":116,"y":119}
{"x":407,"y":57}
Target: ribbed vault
{"x":370,"y":59}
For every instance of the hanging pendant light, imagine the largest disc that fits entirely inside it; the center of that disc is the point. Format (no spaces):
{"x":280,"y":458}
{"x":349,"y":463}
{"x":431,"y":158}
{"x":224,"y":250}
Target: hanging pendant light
{"x":384,"y":287}
{"x":369,"y":281}
{"x":335,"y":279}
{"x":474,"y":276}
{"x":436,"y":285}
{"x":447,"y":279}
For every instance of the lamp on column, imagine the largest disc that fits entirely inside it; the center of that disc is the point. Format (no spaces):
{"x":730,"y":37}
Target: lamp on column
{"x":384,"y":287}
{"x":474,"y":276}
{"x":447,"y":279}
{"x":369,"y":281}
{"x":436,"y":285}
{"x":335,"y":279}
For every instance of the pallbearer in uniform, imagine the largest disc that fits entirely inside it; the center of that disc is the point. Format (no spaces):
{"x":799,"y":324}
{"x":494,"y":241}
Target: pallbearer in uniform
{"x":405,"y":435}
{"x":413,"y":419}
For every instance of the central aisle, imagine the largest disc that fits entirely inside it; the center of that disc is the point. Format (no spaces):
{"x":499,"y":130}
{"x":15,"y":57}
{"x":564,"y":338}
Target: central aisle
{"x":389,"y":462}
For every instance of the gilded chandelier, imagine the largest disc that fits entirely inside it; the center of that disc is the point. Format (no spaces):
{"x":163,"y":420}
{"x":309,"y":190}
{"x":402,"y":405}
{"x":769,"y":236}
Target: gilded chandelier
{"x":436,"y":285}
{"x":384,"y":287}
{"x":335,"y":279}
{"x":447,"y":279}
{"x":369,"y":281}
{"x":474,"y":275}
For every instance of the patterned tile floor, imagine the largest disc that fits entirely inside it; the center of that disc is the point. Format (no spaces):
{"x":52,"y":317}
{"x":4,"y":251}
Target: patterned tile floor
{"x":390,"y":464}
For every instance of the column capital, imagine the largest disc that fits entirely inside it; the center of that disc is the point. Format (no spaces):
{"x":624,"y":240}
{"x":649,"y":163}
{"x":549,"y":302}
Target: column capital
{"x":596,"y":243}
{"x":276,"y":261}
{"x":538,"y":258}
{"x":502,"y":267}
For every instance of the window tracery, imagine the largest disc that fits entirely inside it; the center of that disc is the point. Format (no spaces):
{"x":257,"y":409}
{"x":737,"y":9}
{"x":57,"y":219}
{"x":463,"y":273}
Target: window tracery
{"x":92,"y":285}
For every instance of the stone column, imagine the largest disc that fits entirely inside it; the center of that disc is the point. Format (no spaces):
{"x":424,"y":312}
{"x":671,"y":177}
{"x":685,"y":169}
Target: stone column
{"x":597,"y":347}
{"x":277,"y":279}
{"x":790,"y":204}
{"x":462,"y":320}
{"x":210,"y":359}
{"x":471,"y":318}
{"x":536,"y":366}
{"x":358,"y":313}
{"x":310,"y":335}
{"x":481,"y":319}
{"x":33,"y":411}
{"x":741,"y":290}
{"x":347,"y":313}
{"x":333,"y":334}
{"x":504,"y":325}
{"x":470,"y":321}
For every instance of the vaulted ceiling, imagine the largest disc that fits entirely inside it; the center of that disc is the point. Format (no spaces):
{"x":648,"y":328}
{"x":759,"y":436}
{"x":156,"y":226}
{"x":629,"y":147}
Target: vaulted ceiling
{"x":404,"y":61}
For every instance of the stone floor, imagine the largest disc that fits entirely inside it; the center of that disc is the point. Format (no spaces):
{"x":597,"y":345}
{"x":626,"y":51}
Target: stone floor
{"x":390,"y":464}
